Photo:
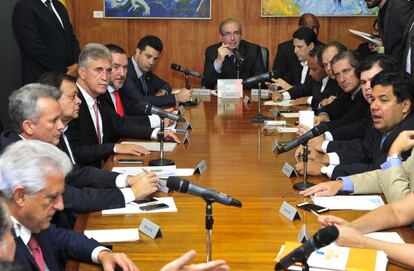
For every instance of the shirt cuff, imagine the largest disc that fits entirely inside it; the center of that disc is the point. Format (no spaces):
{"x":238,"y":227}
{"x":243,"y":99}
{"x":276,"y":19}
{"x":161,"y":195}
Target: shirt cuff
{"x":328,"y":136}
{"x":328,"y":170}
{"x":391,"y":162}
{"x":217,"y":66}
{"x":286,"y":96}
{"x":347,"y":184}
{"x":309,"y":101}
{"x":129,"y":196}
{"x":154,"y":134}
{"x":334,"y":158}
{"x":155,"y":121}
{"x":121,"y":180}
{"x":324,"y":146}
{"x":96,"y":252}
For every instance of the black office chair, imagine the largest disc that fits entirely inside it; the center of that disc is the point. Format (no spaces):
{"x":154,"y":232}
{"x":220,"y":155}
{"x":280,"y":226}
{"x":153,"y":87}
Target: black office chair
{"x":265,"y":55}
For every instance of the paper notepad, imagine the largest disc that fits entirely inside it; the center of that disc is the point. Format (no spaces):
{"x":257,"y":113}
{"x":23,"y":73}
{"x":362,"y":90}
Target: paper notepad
{"x":370,"y":202}
{"x":287,"y":129}
{"x":153,"y":146}
{"x":290,"y":115}
{"x":161,"y":171}
{"x":133,"y":208}
{"x":116,"y":235}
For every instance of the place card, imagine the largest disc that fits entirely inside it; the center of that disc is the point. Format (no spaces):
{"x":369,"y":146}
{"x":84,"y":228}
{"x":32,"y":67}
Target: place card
{"x":303,"y":234}
{"x":247,"y":100}
{"x":289,"y":170}
{"x":201,"y":167}
{"x":187,"y":125}
{"x":289,"y":211}
{"x":150,"y":229}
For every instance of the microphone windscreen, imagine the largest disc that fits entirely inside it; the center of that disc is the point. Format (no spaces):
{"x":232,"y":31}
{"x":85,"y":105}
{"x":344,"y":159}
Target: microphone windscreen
{"x":320,"y":129}
{"x":326,"y":236}
{"x":175,"y":67}
{"x":177,"y":184}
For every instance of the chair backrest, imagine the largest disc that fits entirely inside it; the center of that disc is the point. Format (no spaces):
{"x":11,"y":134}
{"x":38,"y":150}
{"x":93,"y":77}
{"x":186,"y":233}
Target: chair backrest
{"x":265,"y":55}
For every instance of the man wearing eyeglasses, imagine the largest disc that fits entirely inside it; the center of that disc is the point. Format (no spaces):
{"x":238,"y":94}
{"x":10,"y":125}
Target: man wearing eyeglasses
{"x":232,"y":57}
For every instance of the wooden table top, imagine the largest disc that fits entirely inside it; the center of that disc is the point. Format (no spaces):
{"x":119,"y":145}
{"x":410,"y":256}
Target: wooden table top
{"x":240,"y":163}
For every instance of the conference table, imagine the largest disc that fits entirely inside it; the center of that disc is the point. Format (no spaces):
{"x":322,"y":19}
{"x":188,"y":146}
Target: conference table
{"x":241,"y":163}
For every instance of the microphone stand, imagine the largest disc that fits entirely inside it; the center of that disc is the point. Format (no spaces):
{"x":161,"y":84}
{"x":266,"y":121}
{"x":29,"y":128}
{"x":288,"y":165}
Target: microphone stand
{"x":259,"y":118}
{"x":305,"y":184}
{"x":187,"y":81}
{"x":209,"y":228}
{"x":161,"y":161}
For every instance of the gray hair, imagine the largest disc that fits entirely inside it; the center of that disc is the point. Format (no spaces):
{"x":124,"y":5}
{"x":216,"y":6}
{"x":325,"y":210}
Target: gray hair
{"x":228,"y":21}
{"x":4,"y":219}
{"x":27,"y":162}
{"x":23,"y":103}
{"x":93,"y":51}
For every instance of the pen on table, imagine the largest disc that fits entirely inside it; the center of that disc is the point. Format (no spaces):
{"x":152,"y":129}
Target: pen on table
{"x":315,"y":213}
{"x":178,"y":131}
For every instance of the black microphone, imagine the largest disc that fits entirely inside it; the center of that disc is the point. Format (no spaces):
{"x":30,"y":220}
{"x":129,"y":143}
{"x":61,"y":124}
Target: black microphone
{"x":181,"y":185}
{"x":238,"y":56}
{"x":186,"y":71}
{"x":322,"y":238}
{"x":314,"y":132}
{"x":150,"y":109}
{"x":261,"y":77}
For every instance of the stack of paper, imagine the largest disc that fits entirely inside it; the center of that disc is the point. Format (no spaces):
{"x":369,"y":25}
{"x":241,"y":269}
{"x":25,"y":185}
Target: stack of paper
{"x":115,"y":235}
{"x":349,"y":202}
{"x":280,"y":103}
{"x":161,"y":171}
{"x":290,"y":115}
{"x":153,"y":146}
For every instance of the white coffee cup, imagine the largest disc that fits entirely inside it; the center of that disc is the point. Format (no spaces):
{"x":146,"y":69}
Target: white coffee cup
{"x":307,"y":118}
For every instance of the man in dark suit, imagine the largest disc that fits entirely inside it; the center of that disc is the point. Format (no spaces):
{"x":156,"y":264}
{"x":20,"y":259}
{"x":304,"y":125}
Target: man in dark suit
{"x":142,"y":84}
{"x":286,"y":63}
{"x":304,"y":40}
{"x":395,"y":20}
{"x":391,"y":111}
{"x":34,"y":199}
{"x":94,"y":133}
{"x":350,"y":105}
{"x":312,"y":92}
{"x":232,"y":57}
{"x":45,"y":37}
{"x":110,"y":190}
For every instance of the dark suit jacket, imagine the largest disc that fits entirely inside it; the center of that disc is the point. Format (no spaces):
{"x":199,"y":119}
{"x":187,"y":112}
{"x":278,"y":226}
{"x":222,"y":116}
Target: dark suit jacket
{"x":313,"y":88}
{"x":44,"y":44}
{"x":84,"y":141}
{"x":58,"y":245}
{"x":353,"y":130}
{"x":251,"y":66}
{"x":345,"y":110}
{"x":136,"y":113}
{"x":368,"y":154}
{"x":133,"y":90}
{"x":78,"y":197}
{"x":286,"y":63}
{"x":394,"y":20}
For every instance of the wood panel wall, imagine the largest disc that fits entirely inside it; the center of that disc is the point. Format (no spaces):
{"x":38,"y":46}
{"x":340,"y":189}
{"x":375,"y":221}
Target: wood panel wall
{"x":185,"y":40}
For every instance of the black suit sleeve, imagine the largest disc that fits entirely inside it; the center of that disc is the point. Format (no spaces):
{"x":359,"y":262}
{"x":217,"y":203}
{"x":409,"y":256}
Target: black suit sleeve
{"x":88,"y":176}
{"x":90,"y":200}
{"x":210,"y":74}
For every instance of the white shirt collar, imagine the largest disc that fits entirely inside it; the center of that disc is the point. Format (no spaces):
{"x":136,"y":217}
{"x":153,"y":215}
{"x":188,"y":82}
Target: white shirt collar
{"x":88,"y":98}
{"x":304,"y":63}
{"x":111,"y":89}
{"x":137,"y":70}
{"x":21,"y":231}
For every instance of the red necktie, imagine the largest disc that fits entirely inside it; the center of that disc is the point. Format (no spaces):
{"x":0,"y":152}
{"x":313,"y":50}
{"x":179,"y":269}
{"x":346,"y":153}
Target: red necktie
{"x":118,"y":104}
{"x":98,"y":128}
{"x":36,"y":252}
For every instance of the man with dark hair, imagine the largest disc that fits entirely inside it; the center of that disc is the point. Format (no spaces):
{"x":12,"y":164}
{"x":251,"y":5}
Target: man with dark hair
{"x":286,"y":63}
{"x":391,"y":107}
{"x":45,"y":37}
{"x":143,"y":85}
{"x":232,"y":57}
{"x":304,"y":40}
{"x":312,"y":92}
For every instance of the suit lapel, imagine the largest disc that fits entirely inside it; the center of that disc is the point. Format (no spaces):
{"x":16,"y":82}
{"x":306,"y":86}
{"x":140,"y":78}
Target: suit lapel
{"x":85,"y":115}
{"x":23,"y":256}
{"x":47,"y":14}
{"x":47,"y":250}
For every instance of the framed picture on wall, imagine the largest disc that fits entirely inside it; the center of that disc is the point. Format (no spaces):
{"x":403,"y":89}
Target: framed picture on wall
{"x":294,"y":8}
{"x":161,"y":9}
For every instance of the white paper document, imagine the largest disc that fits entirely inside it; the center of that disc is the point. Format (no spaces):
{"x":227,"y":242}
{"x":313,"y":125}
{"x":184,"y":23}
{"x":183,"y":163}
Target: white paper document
{"x":161,"y":171}
{"x":153,"y":146}
{"x":290,"y":115}
{"x":287,"y":129}
{"x":134,"y":208}
{"x":370,"y":202}
{"x":115,"y":235}
{"x":391,"y":237}
{"x":279,"y":103}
